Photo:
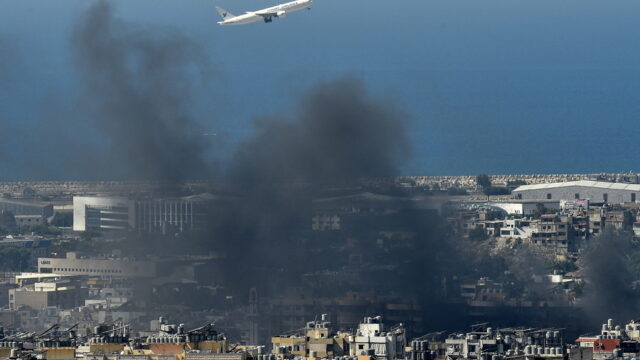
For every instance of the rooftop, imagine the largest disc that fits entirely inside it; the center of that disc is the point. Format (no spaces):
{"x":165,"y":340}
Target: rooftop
{"x":582,"y":183}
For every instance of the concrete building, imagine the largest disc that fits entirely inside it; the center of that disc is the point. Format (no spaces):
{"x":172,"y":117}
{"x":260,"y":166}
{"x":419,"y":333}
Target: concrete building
{"x":516,"y":229}
{"x":29,"y":220}
{"x":72,"y":265}
{"x":511,"y":343}
{"x":318,"y":341}
{"x":551,"y":234}
{"x":26,"y":207}
{"x":594,"y":191}
{"x":372,"y":339}
{"x":614,"y":341}
{"x":146,"y":215}
{"x":173,"y":214}
{"x":107,"y":213}
{"x":524,"y":207}
{"x":63,"y":294}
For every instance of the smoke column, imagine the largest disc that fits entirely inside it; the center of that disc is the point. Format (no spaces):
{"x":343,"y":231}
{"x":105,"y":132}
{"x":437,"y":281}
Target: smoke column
{"x":609,"y":277}
{"x":337,"y":134}
{"x":138,"y":90}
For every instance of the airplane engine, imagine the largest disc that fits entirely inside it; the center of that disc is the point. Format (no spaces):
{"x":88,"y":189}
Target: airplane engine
{"x":281,"y":14}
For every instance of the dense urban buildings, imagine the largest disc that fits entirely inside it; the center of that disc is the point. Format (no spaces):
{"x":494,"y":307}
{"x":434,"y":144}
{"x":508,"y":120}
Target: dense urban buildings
{"x":422,"y":257}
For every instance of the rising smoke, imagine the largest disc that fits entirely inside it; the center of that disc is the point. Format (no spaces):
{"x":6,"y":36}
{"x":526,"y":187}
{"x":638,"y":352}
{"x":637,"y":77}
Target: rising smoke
{"x":138,"y":91}
{"x":138,"y":88}
{"x":609,"y":274}
{"x":338,"y":134}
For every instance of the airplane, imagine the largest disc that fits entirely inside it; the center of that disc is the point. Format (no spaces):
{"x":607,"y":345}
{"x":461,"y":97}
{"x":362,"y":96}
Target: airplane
{"x":267,"y":14}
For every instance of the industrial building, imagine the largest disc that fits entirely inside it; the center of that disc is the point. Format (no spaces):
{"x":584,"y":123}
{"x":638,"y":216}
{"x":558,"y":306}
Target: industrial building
{"x":594,"y":191}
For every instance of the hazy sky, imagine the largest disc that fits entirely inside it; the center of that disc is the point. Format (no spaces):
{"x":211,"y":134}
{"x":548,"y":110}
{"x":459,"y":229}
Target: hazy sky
{"x":495,"y":86}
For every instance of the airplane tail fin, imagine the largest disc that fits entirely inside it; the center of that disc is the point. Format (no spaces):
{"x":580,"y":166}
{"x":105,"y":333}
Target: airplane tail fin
{"x":224,"y":13}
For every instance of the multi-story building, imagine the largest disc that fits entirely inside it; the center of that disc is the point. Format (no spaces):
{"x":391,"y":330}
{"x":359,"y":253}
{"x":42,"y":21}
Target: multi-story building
{"x":371,"y":338}
{"x":512,"y":343}
{"x":63,"y":294}
{"x":102,"y":213}
{"x":73,"y":265}
{"x":550,"y":234}
{"x":143,"y":215}
{"x":318,"y":340}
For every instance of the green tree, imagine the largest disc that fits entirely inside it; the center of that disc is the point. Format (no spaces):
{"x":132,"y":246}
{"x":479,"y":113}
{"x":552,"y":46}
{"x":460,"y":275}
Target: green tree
{"x":14,"y":258}
{"x":483,"y":180}
{"x":7,"y":222}
{"x":564,"y":266}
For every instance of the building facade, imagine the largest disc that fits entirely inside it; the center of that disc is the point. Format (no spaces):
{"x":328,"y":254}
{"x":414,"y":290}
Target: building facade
{"x":146,"y":216}
{"x":594,"y":191}
{"x":71,"y":265}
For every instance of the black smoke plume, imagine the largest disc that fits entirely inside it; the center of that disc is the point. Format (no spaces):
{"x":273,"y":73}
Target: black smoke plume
{"x":138,"y":89}
{"x":338,"y":134}
{"x":609,"y":291}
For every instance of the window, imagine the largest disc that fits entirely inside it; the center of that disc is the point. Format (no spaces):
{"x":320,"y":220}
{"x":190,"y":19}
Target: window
{"x":605,"y":197}
{"x":519,"y":196}
{"x":633,"y":197}
{"x":549,"y":196}
{"x":577,"y":196}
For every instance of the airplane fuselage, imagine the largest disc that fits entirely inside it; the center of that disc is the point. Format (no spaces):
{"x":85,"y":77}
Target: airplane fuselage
{"x":267,"y":14}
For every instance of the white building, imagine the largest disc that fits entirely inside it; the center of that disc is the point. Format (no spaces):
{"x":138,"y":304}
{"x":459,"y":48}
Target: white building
{"x":71,"y":265}
{"x":90,"y":212}
{"x":594,"y":191}
{"x":516,"y":229}
{"x":370,"y":338}
{"x":524,"y":207}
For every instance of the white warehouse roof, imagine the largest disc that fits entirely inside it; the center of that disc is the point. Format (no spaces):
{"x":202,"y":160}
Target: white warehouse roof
{"x":582,"y":183}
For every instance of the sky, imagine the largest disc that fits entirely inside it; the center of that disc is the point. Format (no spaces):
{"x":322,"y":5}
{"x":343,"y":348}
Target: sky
{"x":491,"y":86}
